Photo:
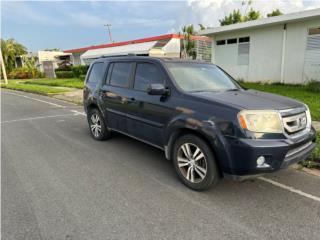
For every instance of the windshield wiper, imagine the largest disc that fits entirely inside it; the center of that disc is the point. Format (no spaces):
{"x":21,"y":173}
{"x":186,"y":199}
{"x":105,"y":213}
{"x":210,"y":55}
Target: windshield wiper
{"x":203,"y":91}
{"x":232,"y":90}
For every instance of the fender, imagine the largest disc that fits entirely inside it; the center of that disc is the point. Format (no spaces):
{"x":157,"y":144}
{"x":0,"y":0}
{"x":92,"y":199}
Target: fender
{"x":207,"y":129}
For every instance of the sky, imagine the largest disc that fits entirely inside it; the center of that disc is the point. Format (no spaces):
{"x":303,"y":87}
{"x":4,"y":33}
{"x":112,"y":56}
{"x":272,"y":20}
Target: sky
{"x":72,"y":24}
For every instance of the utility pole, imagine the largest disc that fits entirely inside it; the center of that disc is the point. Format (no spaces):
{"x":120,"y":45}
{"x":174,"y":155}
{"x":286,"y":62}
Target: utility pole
{"x":3,"y":69}
{"x":109,"y":30}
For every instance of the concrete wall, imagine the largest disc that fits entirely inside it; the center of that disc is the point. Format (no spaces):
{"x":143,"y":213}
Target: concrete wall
{"x":265,"y":57}
{"x":264,"y":54}
{"x":48,"y":56}
{"x":296,"y":41}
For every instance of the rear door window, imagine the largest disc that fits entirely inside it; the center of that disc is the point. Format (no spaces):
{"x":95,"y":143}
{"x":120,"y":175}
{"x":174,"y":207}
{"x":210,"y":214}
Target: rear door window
{"x":146,"y":73}
{"x":120,"y":76}
{"x":96,"y":73}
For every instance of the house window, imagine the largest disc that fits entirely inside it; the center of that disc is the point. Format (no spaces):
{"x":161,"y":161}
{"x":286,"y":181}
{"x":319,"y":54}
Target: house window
{"x":243,"y":53}
{"x":244,"y":39}
{"x":232,"y":41}
{"x":221,"y":42}
{"x":314,"y":31}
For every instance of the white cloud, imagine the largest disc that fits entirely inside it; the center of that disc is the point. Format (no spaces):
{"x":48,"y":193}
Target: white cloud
{"x":208,"y":12}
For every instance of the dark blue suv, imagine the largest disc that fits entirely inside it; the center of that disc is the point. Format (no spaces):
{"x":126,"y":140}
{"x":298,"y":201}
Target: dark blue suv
{"x":204,"y":121}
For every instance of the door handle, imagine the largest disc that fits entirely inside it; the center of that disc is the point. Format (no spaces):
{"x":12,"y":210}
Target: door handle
{"x":127,"y":100}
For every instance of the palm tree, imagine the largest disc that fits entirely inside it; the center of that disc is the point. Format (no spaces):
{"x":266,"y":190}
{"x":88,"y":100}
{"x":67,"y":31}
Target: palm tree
{"x":10,"y":50}
{"x":188,"y":44}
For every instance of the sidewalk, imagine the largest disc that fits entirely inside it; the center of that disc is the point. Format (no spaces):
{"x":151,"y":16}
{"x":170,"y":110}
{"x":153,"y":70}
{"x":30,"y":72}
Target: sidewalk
{"x":75,"y":96}
{"x":316,"y":125}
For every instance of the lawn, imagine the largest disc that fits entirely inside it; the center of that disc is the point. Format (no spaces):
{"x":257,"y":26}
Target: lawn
{"x":40,"y":89}
{"x":300,"y":93}
{"x":67,"y":82}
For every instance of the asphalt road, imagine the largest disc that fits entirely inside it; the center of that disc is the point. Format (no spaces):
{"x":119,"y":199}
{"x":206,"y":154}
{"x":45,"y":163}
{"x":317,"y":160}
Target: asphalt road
{"x":58,"y":183}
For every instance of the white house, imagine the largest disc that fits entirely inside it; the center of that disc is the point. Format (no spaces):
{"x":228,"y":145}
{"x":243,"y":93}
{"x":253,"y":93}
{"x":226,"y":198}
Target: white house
{"x":168,"y":45}
{"x":283,"y":49}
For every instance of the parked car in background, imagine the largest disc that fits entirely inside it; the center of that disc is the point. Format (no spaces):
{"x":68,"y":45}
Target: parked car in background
{"x":204,"y":121}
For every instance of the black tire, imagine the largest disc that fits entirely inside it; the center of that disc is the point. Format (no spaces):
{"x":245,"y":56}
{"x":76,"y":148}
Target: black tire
{"x":200,"y":181}
{"x":104,"y":133}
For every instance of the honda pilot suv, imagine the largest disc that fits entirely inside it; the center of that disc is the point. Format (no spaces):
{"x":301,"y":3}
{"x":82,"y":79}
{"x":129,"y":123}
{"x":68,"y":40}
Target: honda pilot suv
{"x":203,"y":120}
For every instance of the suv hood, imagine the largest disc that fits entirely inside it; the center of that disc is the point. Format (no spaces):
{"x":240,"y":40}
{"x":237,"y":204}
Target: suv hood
{"x":250,"y":99}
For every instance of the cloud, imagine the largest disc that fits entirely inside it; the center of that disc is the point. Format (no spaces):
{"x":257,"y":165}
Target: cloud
{"x":208,"y":12}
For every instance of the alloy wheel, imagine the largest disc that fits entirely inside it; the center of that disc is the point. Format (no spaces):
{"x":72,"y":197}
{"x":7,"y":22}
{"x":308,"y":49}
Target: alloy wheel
{"x":95,"y":125}
{"x":192,"y":162}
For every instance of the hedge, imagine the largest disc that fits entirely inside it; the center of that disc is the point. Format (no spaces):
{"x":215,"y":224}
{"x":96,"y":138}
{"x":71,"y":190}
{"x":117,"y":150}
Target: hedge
{"x":64,"y":74}
{"x":63,"y":69}
{"x":82,"y":77}
{"x":79,"y":70}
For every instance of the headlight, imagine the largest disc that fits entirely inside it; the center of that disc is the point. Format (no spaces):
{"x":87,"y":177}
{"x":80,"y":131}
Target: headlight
{"x":309,"y":120}
{"x":260,"y":121}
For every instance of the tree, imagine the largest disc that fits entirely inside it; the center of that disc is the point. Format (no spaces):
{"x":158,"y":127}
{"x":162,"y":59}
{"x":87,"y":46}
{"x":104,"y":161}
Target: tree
{"x":201,"y":26}
{"x":10,"y":49}
{"x":52,"y":49}
{"x":188,"y":45}
{"x":234,"y":17}
{"x":252,"y":15}
{"x":274,"y":13}
{"x":237,"y":17}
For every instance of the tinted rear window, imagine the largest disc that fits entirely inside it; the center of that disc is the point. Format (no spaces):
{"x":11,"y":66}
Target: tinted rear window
{"x":120,"y":76}
{"x":96,"y":73}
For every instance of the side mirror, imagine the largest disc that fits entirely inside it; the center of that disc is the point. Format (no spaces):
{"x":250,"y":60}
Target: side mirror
{"x":157,"y":89}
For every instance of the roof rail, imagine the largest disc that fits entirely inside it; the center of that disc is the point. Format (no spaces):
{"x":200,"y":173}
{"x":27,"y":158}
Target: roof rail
{"x":119,"y":55}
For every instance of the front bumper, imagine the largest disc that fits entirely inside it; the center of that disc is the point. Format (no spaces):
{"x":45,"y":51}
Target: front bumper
{"x":278,"y":154}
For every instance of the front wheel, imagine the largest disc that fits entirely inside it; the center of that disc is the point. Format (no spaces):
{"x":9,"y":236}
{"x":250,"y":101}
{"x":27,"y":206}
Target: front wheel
{"x":97,"y":125}
{"x":194,"y":163}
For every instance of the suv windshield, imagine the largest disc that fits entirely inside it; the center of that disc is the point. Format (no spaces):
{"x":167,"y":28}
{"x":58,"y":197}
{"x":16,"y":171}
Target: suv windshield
{"x":198,"y":77}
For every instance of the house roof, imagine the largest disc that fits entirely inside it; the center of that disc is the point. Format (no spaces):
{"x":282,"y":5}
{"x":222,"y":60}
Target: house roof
{"x":286,"y":18}
{"x":136,"y":48}
{"x":141,"y":40}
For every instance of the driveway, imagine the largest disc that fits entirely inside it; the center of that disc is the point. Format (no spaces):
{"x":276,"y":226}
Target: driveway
{"x":58,"y":183}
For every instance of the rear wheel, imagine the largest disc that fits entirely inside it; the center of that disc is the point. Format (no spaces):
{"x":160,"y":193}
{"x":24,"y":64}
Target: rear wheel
{"x":194,"y":163}
{"x":97,"y":125}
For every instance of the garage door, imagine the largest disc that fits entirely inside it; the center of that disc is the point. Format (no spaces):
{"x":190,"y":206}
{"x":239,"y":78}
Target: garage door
{"x":312,"y":56}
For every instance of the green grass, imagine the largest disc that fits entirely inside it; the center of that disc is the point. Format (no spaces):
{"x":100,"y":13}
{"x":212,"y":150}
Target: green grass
{"x":68,"y":82}
{"x":44,"y":90}
{"x":314,"y":160}
{"x":298,"y":92}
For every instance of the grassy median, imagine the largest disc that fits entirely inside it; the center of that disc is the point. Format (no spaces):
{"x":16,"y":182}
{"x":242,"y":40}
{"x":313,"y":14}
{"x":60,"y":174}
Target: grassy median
{"x":33,"y":88}
{"x":67,"y":82}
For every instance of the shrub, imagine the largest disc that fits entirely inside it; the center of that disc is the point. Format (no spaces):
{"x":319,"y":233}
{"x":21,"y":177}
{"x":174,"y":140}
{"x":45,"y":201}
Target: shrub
{"x":79,"y":70}
{"x":63,"y":69}
{"x":82,"y":77}
{"x":25,"y":73}
{"x":313,"y":86}
{"x":64,"y":74}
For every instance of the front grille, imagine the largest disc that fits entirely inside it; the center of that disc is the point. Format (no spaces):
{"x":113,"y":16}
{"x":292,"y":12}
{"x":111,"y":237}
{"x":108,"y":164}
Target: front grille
{"x":294,"y":121}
